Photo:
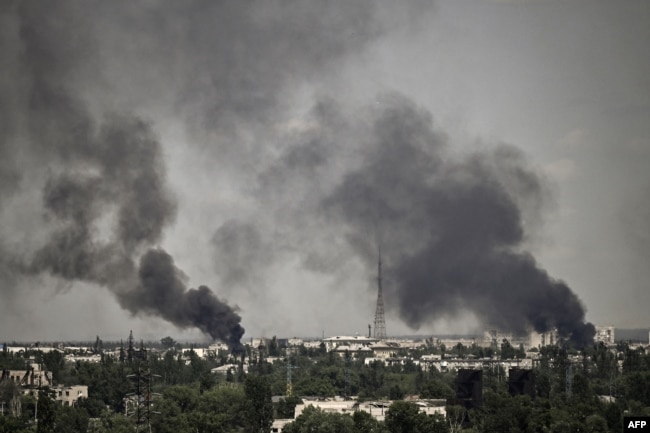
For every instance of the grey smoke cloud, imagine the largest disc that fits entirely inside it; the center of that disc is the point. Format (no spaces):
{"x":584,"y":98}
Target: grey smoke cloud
{"x":241,"y":254}
{"x":105,"y":189}
{"x":106,"y":203}
{"x":320,"y":189}
{"x":453,"y":226}
{"x":452,"y":229}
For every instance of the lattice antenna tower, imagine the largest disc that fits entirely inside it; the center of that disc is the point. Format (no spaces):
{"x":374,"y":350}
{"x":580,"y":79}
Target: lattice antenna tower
{"x":141,"y":401}
{"x":290,"y":367}
{"x":380,"y":321}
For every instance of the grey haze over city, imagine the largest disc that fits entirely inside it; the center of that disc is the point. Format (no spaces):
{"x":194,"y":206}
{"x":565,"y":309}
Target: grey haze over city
{"x":199,"y":168}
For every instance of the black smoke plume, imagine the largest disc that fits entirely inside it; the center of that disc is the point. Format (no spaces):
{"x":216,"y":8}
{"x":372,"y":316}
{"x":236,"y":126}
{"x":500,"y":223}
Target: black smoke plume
{"x":162,"y":291}
{"x":233,"y":73}
{"x":223,"y":68}
{"x":104,"y":181}
{"x":453,"y":229}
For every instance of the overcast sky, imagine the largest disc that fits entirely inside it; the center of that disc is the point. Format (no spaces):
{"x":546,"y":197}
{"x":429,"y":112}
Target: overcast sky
{"x":279,"y":142}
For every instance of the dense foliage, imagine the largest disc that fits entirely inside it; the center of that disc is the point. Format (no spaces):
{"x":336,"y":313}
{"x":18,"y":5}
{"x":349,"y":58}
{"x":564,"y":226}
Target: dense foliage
{"x":188,"y":397}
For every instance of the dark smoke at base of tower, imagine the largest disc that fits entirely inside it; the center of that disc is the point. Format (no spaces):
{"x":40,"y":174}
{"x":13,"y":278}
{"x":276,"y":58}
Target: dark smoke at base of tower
{"x":452,"y":229}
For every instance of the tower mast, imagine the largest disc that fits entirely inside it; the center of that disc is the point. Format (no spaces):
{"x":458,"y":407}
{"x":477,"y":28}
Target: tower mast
{"x":380,"y":322}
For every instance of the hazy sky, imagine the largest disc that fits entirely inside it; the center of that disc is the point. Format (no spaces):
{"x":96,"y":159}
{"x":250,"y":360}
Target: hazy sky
{"x":497,"y":150}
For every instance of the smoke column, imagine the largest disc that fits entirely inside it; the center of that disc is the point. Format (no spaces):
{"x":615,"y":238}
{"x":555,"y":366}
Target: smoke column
{"x":104,"y":190}
{"x":69,"y":70}
{"x":452,"y":228}
{"x":308,"y":190}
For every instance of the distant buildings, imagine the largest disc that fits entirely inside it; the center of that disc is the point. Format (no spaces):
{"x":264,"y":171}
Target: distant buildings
{"x":332,"y":343}
{"x":70,"y":395}
{"x":377,"y":409}
{"x":605,"y":334}
{"x":34,"y":378}
{"x":548,"y":338}
{"x":29,"y":379}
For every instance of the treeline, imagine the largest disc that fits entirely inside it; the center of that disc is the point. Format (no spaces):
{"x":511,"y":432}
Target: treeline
{"x":188,"y":397}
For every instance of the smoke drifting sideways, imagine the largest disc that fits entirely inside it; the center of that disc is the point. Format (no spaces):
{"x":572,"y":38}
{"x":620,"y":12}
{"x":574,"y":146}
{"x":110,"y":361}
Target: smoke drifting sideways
{"x":162,"y":291}
{"x":105,"y":194}
{"x":452,"y":228}
{"x":130,"y":186}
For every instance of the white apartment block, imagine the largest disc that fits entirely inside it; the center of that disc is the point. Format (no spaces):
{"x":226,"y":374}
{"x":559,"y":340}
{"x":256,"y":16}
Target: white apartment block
{"x":605,"y":334}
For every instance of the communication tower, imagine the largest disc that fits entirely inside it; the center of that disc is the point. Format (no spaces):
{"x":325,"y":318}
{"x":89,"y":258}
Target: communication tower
{"x":380,"y":322}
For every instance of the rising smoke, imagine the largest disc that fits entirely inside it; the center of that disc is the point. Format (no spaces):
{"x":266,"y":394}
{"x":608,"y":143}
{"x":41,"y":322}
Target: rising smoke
{"x":105,"y":185}
{"x":452,"y":227}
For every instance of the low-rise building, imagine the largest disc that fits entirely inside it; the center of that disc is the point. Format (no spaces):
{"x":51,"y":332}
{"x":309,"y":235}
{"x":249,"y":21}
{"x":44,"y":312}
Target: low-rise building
{"x":69,"y":395}
{"x":384,"y":350}
{"x":541,"y":339}
{"x":354,"y":350}
{"x":332,"y":343}
{"x":83,"y":358}
{"x":28,"y":379}
{"x":377,"y":409}
{"x":218,"y":349}
{"x":605,"y":334}
{"x":232,"y":368}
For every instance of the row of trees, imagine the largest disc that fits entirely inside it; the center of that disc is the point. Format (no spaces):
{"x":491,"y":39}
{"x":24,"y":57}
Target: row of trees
{"x":191,"y":398}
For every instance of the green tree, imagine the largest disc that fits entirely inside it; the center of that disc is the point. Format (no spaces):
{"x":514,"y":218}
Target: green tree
{"x":366,"y":423}
{"x":503,"y":413}
{"x":9,"y":395}
{"x":596,"y":424}
{"x":614,"y":417}
{"x":395,"y":393}
{"x":460,"y":350}
{"x":206,"y":381}
{"x":94,"y":407}
{"x":222,"y":409}
{"x":259,"y":406}
{"x":405,"y":417}
{"x":507,"y":351}
{"x":314,"y":420}
{"x":71,"y":419}
{"x":98,"y":346}
{"x":580,"y":387}
{"x":46,"y":410}
{"x":172,"y":418}
{"x":286,"y":407}
{"x":116,"y":423}
{"x":436,"y":388}
{"x":11,"y":424}
{"x":604,"y":360}
{"x":54,"y":361}
{"x":167,"y":342}
{"x":185,"y":397}
{"x":274,"y":347}
{"x":637,"y":387}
